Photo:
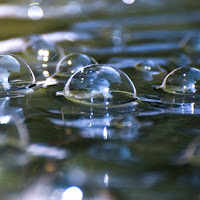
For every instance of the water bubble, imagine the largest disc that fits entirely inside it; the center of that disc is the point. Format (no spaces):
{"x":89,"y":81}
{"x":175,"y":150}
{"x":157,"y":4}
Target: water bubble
{"x":15,"y":74}
{"x":149,"y":68}
{"x":43,"y":56}
{"x":72,"y":63}
{"x":100,"y":85}
{"x":42,"y":49}
{"x":184,"y":80}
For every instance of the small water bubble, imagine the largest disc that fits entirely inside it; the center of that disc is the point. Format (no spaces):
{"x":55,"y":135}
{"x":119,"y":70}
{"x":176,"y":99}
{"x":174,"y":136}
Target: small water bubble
{"x":72,"y":63}
{"x":43,"y":56}
{"x":184,"y":80}
{"x":15,"y":74}
{"x":149,"y":68}
{"x":100,"y":85}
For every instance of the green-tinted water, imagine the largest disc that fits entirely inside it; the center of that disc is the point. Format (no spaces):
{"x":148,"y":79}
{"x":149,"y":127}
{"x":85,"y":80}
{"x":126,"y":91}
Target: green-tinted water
{"x":147,"y":149}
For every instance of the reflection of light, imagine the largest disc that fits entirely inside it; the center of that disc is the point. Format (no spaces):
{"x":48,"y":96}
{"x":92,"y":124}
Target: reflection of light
{"x":47,"y":151}
{"x":69,"y":62}
{"x":106,"y":179}
{"x":44,"y":65}
{"x":35,"y":12}
{"x":128,"y":1}
{"x":105,"y":133}
{"x":45,"y":73}
{"x":72,"y":193}
{"x":4,"y":119}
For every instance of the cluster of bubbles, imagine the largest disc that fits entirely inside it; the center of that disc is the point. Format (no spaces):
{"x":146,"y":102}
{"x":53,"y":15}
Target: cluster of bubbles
{"x":87,"y":81}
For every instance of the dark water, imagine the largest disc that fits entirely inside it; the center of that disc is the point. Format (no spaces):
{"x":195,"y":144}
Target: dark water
{"x":148,"y":149}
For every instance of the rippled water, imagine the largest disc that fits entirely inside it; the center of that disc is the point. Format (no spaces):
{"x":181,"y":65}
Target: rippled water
{"x":57,"y":149}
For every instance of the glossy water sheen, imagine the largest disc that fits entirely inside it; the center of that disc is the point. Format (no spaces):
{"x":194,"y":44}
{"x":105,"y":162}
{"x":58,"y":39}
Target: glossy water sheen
{"x":59,"y":148}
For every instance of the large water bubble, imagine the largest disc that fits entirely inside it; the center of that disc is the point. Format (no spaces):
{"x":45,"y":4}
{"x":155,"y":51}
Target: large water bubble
{"x":185,"y":80}
{"x":72,"y":63}
{"x":15,"y":74}
{"x":100,"y":85}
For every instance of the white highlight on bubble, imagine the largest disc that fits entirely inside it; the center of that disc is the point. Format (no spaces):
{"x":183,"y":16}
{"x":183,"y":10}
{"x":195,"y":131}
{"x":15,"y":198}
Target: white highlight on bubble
{"x":35,"y":12}
{"x":128,"y":1}
{"x":72,"y":193}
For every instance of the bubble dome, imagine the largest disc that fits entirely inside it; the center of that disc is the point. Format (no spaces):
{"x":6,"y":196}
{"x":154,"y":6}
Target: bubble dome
{"x":184,"y":80}
{"x":42,"y":50}
{"x":72,"y":63}
{"x":149,"y":66}
{"x":100,"y":85}
{"x":15,"y":74}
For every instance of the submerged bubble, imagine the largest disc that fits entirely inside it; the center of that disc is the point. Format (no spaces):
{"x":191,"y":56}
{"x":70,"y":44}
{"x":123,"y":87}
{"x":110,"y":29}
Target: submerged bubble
{"x":185,"y":80}
{"x":15,"y":74}
{"x":100,"y":85}
{"x":72,"y":63}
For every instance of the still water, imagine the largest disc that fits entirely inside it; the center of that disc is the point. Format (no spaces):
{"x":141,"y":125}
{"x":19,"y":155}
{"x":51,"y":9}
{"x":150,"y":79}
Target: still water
{"x":99,"y":100}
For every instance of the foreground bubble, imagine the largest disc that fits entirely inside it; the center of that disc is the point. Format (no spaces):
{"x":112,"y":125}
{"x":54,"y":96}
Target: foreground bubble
{"x":72,"y":63}
{"x":185,"y":80}
{"x":15,"y":74}
{"x":100,"y":85}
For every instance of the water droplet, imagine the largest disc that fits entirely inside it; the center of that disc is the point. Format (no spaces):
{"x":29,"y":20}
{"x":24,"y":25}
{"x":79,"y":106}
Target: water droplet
{"x":72,"y":63}
{"x":100,"y":85}
{"x":149,"y":68}
{"x":183,"y":80}
{"x":15,"y":74}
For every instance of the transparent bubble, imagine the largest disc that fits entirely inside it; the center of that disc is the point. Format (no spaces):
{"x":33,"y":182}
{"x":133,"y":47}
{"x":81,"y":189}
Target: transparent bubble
{"x":42,"y":49}
{"x":149,"y":68}
{"x":43,"y":56}
{"x":72,"y":63}
{"x":100,"y":85}
{"x":15,"y":74}
{"x":183,"y":80}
